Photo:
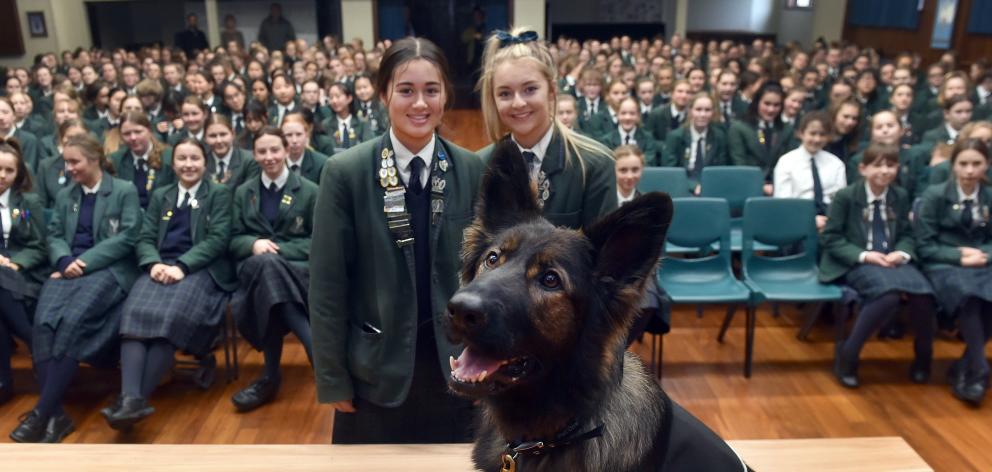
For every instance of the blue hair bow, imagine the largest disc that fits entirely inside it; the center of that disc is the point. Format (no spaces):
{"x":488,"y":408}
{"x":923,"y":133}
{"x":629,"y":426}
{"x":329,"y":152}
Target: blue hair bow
{"x":507,"y":39}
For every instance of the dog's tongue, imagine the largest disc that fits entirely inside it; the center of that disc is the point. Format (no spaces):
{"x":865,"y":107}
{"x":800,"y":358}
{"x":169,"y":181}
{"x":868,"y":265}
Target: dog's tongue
{"x":470,"y":364}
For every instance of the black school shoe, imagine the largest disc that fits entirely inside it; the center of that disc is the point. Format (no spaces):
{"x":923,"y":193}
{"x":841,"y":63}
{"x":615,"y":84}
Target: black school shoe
{"x":919,"y":371}
{"x":131,"y":411}
{"x":846,"y":371}
{"x":260,"y":392}
{"x":58,"y":427}
{"x":971,"y":388}
{"x":31,"y":428}
{"x":108,"y":411}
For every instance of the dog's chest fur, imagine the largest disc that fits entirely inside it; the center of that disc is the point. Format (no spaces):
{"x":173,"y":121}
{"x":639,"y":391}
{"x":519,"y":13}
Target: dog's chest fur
{"x":631,"y":413}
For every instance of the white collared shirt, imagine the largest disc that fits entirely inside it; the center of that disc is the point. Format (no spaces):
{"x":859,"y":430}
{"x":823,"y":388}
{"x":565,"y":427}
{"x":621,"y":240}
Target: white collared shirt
{"x":280,"y":181}
{"x":983,"y":95}
{"x":540,"y":150}
{"x":645,"y":108}
{"x":592,"y":105}
{"x":143,"y":157}
{"x":794,"y":176}
{"x":975,"y":213}
{"x":676,"y":114}
{"x":405,"y":156}
{"x":953,"y":133}
{"x":621,"y":199}
{"x":613,"y":115}
{"x":19,"y":124}
{"x":695,"y":135}
{"x":5,"y":215}
{"x":346,"y":121}
{"x":624,"y":134}
{"x":92,"y":190}
{"x":191,"y":191}
{"x":226,"y":160}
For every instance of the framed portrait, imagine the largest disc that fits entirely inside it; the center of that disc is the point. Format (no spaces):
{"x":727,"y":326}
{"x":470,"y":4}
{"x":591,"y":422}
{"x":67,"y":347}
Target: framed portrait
{"x":943,"y":24}
{"x":36,"y":24}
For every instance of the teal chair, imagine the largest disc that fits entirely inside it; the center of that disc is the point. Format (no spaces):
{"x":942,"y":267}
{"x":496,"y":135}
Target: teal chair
{"x":671,"y":180}
{"x":735,"y":184}
{"x":786,"y":223}
{"x":702,"y":222}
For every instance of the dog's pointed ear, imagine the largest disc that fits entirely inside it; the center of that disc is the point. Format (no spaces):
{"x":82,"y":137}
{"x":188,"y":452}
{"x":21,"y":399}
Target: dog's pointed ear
{"x":506,"y":197}
{"x":628,"y":242}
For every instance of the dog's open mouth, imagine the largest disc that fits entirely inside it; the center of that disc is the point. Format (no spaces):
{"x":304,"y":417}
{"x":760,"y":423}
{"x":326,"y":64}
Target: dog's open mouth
{"x":475,"y":374}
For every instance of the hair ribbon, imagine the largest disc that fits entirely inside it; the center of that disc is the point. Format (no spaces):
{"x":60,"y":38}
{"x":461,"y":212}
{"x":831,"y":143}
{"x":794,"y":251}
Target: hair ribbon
{"x":507,"y":39}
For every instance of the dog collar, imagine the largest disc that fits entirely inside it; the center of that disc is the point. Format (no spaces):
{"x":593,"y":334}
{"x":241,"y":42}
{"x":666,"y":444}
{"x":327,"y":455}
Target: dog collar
{"x":564,"y":438}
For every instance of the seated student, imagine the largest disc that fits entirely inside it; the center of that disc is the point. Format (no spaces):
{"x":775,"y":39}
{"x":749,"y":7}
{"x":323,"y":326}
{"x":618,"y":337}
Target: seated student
{"x":700,"y":142}
{"x":730,"y":103}
{"x":901,"y":104}
{"x":602,"y":125}
{"x":107,"y":128}
{"x":8,"y":129}
{"x":647,"y":97}
{"x":261,"y":93}
{"x":91,"y":244}
{"x":300,"y":158}
{"x":52,"y":175}
{"x":954,"y":84}
{"x":913,"y":162}
{"x":792,"y":106}
{"x":23,"y":256}
{"x":145,"y":161}
{"x":869,"y":245}
{"x":758,"y":138}
{"x":697,"y":80}
{"x":204,"y":89}
{"x":226,"y":163}
{"x":256,"y":118}
{"x":346,"y":128}
{"x":629,"y":131}
{"x":27,"y":118}
{"x":567,"y":112}
{"x":983,"y":94}
{"x":368,"y":107}
{"x":284,"y":95}
{"x":63,"y":110}
{"x":957,"y":113}
{"x":954,"y":239}
{"x":178,"y":302}
{"x":310,"y":100}
{"x":270,"y":241}
{"x":591,"y":105}
{"x":150,"y":92}
{"x":866,"y":92}
{"x":194,"y":115}
{"x":235,"y":103}
{"x":809,"y":171}
{"x":847,"y":121}
{"x":665,"y":119}
{"x":940,"y":169}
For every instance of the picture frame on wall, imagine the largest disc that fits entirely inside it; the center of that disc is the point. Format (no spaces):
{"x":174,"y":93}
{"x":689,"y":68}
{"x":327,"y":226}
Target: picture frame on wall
{"x":36,"y":24}
{"x":943,"y":24}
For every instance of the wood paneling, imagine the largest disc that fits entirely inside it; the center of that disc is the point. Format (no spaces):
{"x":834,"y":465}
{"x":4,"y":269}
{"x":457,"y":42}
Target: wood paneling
{"x":891,"y":41}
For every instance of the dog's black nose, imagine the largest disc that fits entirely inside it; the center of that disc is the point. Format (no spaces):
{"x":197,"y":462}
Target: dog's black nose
{"x":466,"y":312}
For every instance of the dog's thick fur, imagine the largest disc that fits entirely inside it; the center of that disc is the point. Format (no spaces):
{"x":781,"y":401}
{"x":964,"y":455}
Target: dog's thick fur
{"x":550,"y":309}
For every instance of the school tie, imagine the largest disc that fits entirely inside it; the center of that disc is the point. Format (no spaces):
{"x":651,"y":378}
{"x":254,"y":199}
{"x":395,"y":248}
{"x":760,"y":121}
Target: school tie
{"x":282,"y":114}
{"x":697,"y":166}
{"x":726,"y":112}
{"x":879,"y":241}
{"x":220,"y":171}
{"x":769,"y":132}
{"x":295,"y":168}
{"x":821,"y":208}
{"x":273,"y":187}
{"x":238,"y":125}
{"x":416,"y":168}
{"x":626,"y":139}
{"x":967,"y":219}
{"x":345,"y":141}
{"x":185,"y":202}
{"x":530,"y":158}
{"x":676,"y":121}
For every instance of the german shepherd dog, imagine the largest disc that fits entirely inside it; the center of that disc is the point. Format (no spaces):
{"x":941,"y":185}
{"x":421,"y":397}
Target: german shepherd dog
{"x":543,"y":313}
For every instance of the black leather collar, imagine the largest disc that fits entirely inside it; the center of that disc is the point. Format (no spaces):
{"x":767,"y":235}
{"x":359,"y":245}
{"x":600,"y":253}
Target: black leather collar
{"x":569,"y":435}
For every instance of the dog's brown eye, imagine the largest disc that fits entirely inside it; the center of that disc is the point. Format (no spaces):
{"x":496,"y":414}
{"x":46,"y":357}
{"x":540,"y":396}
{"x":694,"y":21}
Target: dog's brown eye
{"x":550,"y":279}
{"x":492,"y":259}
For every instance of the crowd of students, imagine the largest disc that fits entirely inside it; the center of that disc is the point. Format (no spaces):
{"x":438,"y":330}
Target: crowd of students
{"x":142,"y":192}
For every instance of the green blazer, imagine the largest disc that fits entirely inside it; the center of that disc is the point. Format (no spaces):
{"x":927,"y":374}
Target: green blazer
{"x":311,"y":165}
{"x":30,"y":148}
{"x":939,"y":232}
{"x":679,"y":143}
{"x":293,"y":225}
{"x":240,"y":168}
{"x":123,"y":161}
{"x":322,"y":143}
{"x":360,"y":278}
{"x":26,"y":244}
{"x":941,"y":173}
{"x":332,"y":126}
{"x":46,"y":180}
{"x":211,"y":228}
{"x":580,"y":194}
{"x":746,"y":150}
{"x":590,"y":122}
{"x":651,"y":148}
{"x":660,"y":122}
{"x":377,"y":117}
{"x":600,"y":126}
{"x":936,"y":135}
{"x":914,"y":169}
{"x":845,"y":236}
{"x":117,"y":223}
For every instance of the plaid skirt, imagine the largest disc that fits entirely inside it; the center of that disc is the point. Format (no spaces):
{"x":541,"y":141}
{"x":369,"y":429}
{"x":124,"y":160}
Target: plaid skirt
{"x":955,"y":285}
{"x":188,"y":314}
{"x":21,"y":287}
{"x":265,"y":281}
{"x":871,"y":281}
{"x":79,"y":318}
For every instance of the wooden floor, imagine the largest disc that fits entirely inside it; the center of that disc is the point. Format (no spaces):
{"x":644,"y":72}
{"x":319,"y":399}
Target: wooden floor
{"x":791,"y":394}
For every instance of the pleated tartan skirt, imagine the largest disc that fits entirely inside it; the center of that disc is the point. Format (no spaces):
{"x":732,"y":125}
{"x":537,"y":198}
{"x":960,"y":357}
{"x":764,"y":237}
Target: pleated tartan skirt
{"x":871,"y":281}
{"x":79,"y":318}
{"x":955,"y":285}
{"x":265,"y":281}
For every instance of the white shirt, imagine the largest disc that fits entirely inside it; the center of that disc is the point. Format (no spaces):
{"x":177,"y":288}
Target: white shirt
{"x":794,"y":176}
{"x":953,"y":133}
{"x":283,"y":109}
{"x":226,"y":160}
{"x":645,"y":108}
{"x":613,"y":115}
{"x":975,"y":214}
{"x":871,"y":218}
{"x":624,"y":134}
{"x":191,"y":191}
{"x":983,"y":95}
{"x":675,"y":112}
{"x":93,"y":189}
{"x":695,"y":142}
{"x":346,"y":121}
{"x":404,"y":157}
{"x":280,"y":181}
{"x":621,"y":199}
{"x":592,"y":105}
{"x":143,"y":157}
{"x":5,"y":214}
{"x":540,"y":150}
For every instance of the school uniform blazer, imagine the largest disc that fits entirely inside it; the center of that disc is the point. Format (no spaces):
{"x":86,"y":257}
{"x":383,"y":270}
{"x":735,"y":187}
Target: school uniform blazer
{"x":26,"y":244}
{"x":590,"y":123}
{"x":845,"y":236}
{"x":123,"y":161}
{"x":320,"y":113}
{"x":240,"y":168}
{"x":30,"y":149}
{"x":311,"y":165}
{"x":914,"y":169}
{"x":600,"y":126}
{"x":274,"y":110}
{"x":941,"y":173}
{"x":322,"y":143}
{"x":47,"y":148}
{"x":46,"y":180}
{"x":363,"y":131}
{"x":652,"y":149}
{"x":116,"y":223}
{"x":378,"y":112}
{"x":363,"y":309}
{"x":679,"y":143}
{"x":660,"y":122}
{"x":39,"y":125}
{"x":293,"y":225}
{"x":939,"y":232}
{"x":211,"y":227}
{"x":936,"y":135}
{"x":746,"y":150}
{"x":577,"y":199}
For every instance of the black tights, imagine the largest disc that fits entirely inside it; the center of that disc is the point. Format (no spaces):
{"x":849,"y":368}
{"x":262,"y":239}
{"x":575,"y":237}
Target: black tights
{"x":54,"y":376}
{"x":143,"y":364}
{"x":975,"y":327}
{"x":285,"y":316}
{"x":877,"y":312}
{"x":14,"y":321}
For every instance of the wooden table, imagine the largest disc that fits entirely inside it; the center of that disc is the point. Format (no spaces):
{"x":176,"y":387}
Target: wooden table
{"x":825,"y":455}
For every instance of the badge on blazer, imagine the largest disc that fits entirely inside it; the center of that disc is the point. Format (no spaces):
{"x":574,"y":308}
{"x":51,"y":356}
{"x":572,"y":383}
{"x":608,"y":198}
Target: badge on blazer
{"x":15,"y":213}
{"x":194,"y":204}
{"x":167,"y":216}
{"x":298,"y":225}
{"x":62,"y":177}
{"x":287,"y":199}
{"x":115,"y":224}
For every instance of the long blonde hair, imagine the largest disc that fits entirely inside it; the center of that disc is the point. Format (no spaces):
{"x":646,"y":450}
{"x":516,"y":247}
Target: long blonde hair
{"x":538,"y":53}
